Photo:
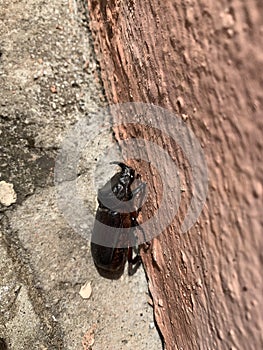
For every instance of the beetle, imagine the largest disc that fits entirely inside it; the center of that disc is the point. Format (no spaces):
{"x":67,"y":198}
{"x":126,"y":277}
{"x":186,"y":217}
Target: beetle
{"x":110,"y":260}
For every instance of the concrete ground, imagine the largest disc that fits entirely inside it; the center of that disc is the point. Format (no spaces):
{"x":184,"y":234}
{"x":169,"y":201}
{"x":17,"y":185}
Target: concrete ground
{"x":49,"y":80}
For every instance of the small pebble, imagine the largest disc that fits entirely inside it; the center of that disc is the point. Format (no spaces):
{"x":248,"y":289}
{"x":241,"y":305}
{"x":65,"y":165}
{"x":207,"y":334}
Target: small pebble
{"x":86,"y":290}
{"x":7,"y":193}
{"x":151,"y":325}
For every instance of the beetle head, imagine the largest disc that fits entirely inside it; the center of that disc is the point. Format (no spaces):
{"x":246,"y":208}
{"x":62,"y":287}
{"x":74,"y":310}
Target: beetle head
{"x":127,"y":173}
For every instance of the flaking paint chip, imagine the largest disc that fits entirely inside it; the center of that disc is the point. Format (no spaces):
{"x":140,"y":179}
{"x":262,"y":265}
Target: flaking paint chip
{"x":160,"y":302}
{"x":86,"y":290}
{"x":7,"y":193}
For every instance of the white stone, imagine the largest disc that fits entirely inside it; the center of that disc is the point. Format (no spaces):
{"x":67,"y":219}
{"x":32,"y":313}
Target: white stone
{"x":86,"y":290}
{"x":7,"y":193}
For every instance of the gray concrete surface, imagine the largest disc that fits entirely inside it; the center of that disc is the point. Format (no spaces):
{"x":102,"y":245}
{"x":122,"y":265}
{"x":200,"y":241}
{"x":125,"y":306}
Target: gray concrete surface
{"x":49,"y":80}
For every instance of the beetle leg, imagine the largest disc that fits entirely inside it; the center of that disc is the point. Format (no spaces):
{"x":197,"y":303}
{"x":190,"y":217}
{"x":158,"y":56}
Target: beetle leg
{"x":133,"y":263}
{"x":136,"y":249}
{"x":136,"y":224}
{"x":139,"y":189}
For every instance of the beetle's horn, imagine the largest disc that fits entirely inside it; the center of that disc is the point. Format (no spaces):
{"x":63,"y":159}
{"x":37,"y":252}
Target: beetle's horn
{"x":122,"y":165}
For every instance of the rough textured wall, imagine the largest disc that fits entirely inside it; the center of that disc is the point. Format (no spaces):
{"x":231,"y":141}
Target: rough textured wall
{"x":202,"y":60}
{"x":49,"y":82}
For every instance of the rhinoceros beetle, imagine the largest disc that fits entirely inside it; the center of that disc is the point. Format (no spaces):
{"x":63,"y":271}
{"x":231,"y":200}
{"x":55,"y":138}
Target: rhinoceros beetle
{"x":110,"y":260}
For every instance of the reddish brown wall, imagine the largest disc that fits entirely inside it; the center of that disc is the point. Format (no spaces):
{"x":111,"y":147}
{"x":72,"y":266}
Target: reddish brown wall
{"x":203,"y":60}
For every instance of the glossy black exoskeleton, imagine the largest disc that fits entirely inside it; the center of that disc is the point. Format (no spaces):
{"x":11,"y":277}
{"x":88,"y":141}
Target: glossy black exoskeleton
{"x":110,"y":260}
